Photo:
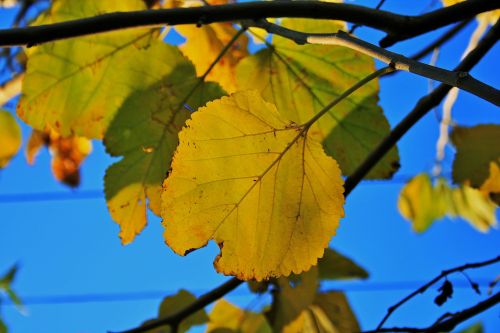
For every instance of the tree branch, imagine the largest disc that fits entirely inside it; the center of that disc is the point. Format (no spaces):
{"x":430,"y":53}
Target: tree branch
{"x":398,"y":27}
{"x":426,"y":286}
{"x":11,"y":88}
{"x":197,"y":305}
{"x":424,"y":105}
{"x":450,"y":323}
{"x":458,"y":79}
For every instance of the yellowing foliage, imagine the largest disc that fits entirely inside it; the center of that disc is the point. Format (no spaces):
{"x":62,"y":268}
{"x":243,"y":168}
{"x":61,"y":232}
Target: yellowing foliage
{"x":421,"y":202}
{"x":257,"y":184}
{"x":75,"y":86}
{"x":145,"y":131}
{"x":10,"y":138}
{"x":204,"y":44}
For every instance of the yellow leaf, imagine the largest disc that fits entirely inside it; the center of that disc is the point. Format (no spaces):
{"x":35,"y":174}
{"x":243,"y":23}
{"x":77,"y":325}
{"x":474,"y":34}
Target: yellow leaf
{"x":10,"y":138}
{"x":473,"y":206}
{"x":420,"y":203}
{"x":75,"y":86}
{"x":491,"y":186}
{"x":226,"y":317}
{"x":257,"y":184}
{"x":204,"y":44}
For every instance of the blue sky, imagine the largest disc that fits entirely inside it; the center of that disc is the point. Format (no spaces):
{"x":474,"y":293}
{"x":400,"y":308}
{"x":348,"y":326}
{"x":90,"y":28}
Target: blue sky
{"x":70,"y":246}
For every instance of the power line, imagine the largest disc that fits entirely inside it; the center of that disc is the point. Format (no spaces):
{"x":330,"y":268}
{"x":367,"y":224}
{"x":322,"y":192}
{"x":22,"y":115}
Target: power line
{"x":160,"y":294}
{"x":99,"y":194}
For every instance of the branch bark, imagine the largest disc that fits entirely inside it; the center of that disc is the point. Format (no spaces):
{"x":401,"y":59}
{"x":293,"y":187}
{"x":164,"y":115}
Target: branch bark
{"x":398,"y":27}
{"x":459,"y":79}
{"x":426,"y":286}
{"x":11,"y":88}
{"x":450,"y":323}
{"x":424,"y":105}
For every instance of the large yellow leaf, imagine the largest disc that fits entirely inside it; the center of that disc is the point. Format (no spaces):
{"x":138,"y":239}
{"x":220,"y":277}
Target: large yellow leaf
{"x":75,"y":86}
{"x":226,"y":317}
{"x":256,"y":183}
{"x":302,"y":79}
{"x":421,"y":202}
{"x":204,"y":44}
{"x":144,"y":132}
{"x":477,"y":147}
{"x":10,"y":138}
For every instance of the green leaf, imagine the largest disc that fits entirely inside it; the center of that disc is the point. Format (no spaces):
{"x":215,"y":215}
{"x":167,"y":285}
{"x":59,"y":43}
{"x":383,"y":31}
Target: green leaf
{"x":228,"y":318}
{"x":294,"y":294}
{"x":476,"y":147}
{"x":5,"y":285}
{"x":75,"y":86}
{"x":145,"y":132}
{"x":10,"y":137}
{"x":301,"y":79}
{"x":476,"y":328}
{"x":172,"y":304}
{"x":3,"y":328}
{"x":335,"y":266}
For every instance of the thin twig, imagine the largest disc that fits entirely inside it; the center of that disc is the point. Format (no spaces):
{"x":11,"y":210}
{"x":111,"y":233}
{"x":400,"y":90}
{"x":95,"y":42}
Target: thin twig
{"x":423,"y":106}
{"x":354,"y":27}
{"x":459,"y":79}
{"x":398,"y":27}
{"x":197,"y":305}
{"x":426,"y":286}
{"x":449,"y":324}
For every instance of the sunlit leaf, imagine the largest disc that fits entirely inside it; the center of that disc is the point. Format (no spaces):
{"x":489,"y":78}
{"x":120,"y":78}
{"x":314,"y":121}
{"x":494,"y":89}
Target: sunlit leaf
{"x":473,"y":206}
{"x":422,"y":203}
{"x":301,"y":79}
{"x":335,"y":266}
{"x":294,"y":294}
{"x":212,"y":39}
{"x":257,"y":184}
{"x":145,"y":132}
{"x":172,"y":304}
{"x":68,"y":154}
{"x":10,"y":138}
{"x":228,"y":318}
{"x":330,"y":312}
{"x":75,"y":86}
{"x":476,"y":148}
